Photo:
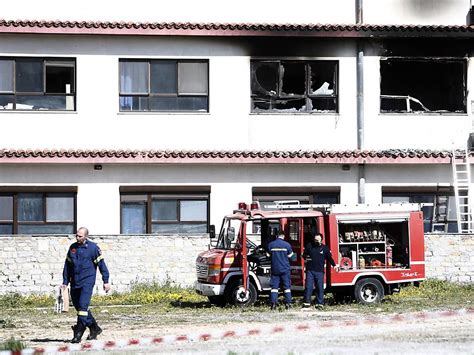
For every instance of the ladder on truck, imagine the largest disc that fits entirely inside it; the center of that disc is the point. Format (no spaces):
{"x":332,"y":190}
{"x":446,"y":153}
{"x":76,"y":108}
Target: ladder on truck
{"x":462,"y":180}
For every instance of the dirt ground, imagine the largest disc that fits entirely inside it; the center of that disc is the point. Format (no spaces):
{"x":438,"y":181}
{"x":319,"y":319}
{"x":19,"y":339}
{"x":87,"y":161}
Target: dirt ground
{"x":382,"y":335}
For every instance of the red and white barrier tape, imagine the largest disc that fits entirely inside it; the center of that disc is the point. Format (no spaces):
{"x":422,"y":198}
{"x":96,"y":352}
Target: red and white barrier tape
{"x":223,"y":334}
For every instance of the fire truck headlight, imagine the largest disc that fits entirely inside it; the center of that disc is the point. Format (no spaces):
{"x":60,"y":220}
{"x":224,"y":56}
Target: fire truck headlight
{"x":214,"y":270}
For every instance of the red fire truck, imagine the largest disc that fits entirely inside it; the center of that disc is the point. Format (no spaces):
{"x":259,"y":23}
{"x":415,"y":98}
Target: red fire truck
{"x":379,"y":248}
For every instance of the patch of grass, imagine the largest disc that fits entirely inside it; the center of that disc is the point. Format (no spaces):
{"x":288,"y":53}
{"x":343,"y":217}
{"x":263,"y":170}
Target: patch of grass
{"x":12,"y":344}
{"x":436,"y":293}
{"x":151,"y":293}
{"x":15,"y":300}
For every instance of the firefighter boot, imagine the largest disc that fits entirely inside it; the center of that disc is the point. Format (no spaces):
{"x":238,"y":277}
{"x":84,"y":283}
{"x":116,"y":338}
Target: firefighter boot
{"x":94,"y":331}
{"x":79,"y":330}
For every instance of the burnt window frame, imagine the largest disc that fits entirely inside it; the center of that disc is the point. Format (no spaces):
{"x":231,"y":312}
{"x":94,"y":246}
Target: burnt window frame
{"x":410,"y":100}
{"x":45,"y":193}
{"x":149,"y":94}
{"x":160,"y":194}
{"x":433,"y":223}
{"x":307,"y":96}
{"x":46,"y":61}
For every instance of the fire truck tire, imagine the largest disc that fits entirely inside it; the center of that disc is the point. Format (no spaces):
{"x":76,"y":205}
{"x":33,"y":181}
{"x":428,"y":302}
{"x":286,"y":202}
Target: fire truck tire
{"x":369,"y":291}
{"x":236,"y":295}
{"x":217,"y":300}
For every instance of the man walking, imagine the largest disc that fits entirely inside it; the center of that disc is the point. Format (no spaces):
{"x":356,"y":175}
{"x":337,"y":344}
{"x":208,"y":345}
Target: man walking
{"x":80,"y":269}
{"x":315,"y":254}
{"x":280,"y":252}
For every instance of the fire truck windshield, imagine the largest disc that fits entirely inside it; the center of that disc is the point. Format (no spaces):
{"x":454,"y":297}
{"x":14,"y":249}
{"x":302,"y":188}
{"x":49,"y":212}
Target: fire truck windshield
{"x":229,"y":234}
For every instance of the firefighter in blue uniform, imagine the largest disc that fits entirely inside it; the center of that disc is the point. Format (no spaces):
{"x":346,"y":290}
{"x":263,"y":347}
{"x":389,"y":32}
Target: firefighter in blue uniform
{"x":316,"y":254}
{"x":280,"y":253}
{"x":80,"y":268}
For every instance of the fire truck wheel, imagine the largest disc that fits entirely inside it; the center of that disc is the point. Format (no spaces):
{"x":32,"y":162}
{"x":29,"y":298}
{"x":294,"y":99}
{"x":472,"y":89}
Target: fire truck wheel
{"x":369,"y":291}
{"x":236,"y":294}
{"x":217,"y":300}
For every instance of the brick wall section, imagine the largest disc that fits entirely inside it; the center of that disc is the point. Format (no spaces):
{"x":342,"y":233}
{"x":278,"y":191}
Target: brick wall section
{"x":34,"y":264}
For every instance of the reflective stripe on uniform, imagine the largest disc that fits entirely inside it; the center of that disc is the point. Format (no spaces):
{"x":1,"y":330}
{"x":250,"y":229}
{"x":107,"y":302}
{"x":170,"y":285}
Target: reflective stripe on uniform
{"x":96,"y":261}
{"x":287,"y":291}
{"x":290,"y":255}
{"x":274,"y":290}
{"x":82,"y":313}
{"x":278,"y":249}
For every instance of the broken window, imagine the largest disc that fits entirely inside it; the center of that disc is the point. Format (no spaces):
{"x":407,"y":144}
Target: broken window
{"x":37,"y":84}
{"x":164,"y":85}
{"x":422,"y":85}
{"x":294,"y":86}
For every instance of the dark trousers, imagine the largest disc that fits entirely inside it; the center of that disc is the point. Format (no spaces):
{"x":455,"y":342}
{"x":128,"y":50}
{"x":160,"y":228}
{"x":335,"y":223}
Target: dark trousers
{"x":314,"y":278}
{"x":81,"y":299}
{"x":280,"y":279}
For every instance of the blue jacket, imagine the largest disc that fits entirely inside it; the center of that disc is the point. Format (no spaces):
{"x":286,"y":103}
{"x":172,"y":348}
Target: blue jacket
{"x":280,"y":252}
{"x":81,"y":265}
{"x":316,"y":255}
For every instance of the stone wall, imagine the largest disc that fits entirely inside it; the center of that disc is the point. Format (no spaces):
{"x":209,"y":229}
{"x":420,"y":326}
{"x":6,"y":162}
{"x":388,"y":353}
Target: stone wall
{"x":450,"y":257}
{"x":34,"y":264}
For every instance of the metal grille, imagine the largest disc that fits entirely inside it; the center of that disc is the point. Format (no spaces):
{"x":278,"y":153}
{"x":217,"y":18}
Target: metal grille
{"x":201,"y":271}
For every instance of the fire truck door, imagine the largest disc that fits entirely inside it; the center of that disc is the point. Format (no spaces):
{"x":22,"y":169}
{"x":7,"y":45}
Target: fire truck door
{"x":296,"y":240}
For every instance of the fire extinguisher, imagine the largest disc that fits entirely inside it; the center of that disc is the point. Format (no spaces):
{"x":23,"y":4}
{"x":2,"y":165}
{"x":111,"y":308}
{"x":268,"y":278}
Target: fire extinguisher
{"x":389,"y":255}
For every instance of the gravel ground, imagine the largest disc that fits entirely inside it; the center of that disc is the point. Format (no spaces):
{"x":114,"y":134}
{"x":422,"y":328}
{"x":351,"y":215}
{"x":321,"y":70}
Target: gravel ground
{"x":437,"y":335}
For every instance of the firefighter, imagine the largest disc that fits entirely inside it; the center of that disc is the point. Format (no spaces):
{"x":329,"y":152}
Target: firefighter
{"x":316,"y":254}
{"x":280,"y":252}
{"x":80,"y":268}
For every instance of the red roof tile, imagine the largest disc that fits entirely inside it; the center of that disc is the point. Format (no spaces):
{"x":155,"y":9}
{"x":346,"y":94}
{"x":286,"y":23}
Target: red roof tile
{"x":392,"y":156}
{"x":233,"y":29}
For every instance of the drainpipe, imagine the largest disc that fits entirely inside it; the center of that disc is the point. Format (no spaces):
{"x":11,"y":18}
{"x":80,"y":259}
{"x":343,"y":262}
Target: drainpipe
{"x":360,"y":102}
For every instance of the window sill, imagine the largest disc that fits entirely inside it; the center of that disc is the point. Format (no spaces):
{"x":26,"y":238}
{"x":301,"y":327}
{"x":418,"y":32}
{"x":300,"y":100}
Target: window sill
{"x":38,"y":112}
{"x":275,"y":113}
{"x":422,"y":114}
{"x":153,"y":113}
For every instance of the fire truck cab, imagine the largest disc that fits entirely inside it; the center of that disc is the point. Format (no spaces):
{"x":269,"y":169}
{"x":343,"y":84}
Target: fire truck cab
{"x":378,"y":247}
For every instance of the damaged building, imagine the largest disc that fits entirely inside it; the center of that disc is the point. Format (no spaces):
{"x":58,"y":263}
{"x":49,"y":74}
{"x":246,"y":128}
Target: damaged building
{"x":159,"y":122}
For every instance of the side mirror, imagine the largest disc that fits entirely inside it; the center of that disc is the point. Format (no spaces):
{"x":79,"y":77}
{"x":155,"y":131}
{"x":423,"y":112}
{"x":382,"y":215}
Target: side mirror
{"x":212,"y":231}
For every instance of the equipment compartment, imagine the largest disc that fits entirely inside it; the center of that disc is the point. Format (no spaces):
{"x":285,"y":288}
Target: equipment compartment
{"x":371,"y":244}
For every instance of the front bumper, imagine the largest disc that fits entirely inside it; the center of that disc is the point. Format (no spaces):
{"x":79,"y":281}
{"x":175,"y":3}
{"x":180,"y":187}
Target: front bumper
{"x":209,"y":289}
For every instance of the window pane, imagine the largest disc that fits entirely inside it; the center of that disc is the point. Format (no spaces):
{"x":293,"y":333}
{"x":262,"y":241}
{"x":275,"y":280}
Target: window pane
{"x":30,"y":207}
{"x":179,"y":228}
{"x":324,"y":104}
{"x":163,"y":77}
{"x":395,"y":199}
{"x":46,"y":102}
{"x":193,"y":211}
{"x":6,"y":208}
{"x":45,"y":229}
{"x":59,"y":79}
{"x":264,"y":79}
{"x":6,"y":75}
{"x":6,"y":102}
{"x":134,"y":77}
{"x":192,"y":78}
{"x":134,"y":218}
{"x":164,"y":210}
{"x":164,"y":228}
{"x":59,"y":208}
{"x":6,"y":229}
{"x":452,"y":208}
{"x":133,"y":103}
{"x":197,"y":103}
{"x":323,"y":78}
{"x":294,"y":79}
{"x":326,"y":197}
{"x":29,"y":75}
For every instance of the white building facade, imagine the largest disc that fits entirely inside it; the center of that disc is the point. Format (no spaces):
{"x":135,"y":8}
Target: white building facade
{"x":139,"y":120}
